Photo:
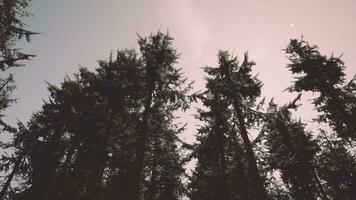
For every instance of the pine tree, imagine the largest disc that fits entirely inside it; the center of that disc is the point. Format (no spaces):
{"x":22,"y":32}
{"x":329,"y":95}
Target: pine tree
{"x":216,"y":165}
{"x":12,"y":29}
{"x":85,"y":140}
{"x":88,"y":119}
{"x":230,"y":97}
{"x":291,"y":150}
{"x":325,"y":75}
{"x":163,"y":84}
{"x":336,"y":105}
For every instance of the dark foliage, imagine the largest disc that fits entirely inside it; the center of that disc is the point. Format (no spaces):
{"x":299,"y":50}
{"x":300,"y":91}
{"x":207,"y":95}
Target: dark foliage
{"x":227,"y":166}
{"x":291,"y":150}
{"x":112,"y":134}
{"x":336,"y":101}
{"x":12,"y":29}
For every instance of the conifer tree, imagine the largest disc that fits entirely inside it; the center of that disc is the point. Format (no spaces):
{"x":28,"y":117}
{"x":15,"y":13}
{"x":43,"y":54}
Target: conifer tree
{"x":336,"y":100}
{"x":212,"y":176}
{"x":85,"y":140}
{"x":163,"y":84}
{"x":230,"y":97}
{"x":291,"y":150}
{"x":12,"y":29}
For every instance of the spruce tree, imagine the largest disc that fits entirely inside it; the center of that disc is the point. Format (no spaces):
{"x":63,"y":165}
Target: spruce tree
{"x":217,"y":166}
{"x":324,"y":75}
{"x":291,"y":150}
{"x":85,"y":142}
{"x":335,"y":102}
{"x":163,"y":84}
{"x":230,"y":97}
{"x":12,"y":29}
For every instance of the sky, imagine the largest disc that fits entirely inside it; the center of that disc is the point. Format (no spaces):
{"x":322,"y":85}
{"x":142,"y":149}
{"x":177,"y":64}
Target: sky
{"x":80,"y":32}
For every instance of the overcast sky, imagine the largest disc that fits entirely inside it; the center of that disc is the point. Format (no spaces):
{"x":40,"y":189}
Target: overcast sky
{"x":79,"y":32}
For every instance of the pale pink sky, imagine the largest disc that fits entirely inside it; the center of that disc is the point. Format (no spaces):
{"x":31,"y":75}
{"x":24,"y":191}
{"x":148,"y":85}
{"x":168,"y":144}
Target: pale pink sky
{"x":83,"y":31}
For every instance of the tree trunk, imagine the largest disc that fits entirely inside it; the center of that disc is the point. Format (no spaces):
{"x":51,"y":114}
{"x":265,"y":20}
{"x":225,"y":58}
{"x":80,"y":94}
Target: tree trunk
{"x":238,"y":161}
{"x":135,"y":179}
{"x":224,"y":193}
{"x":257,"y":183}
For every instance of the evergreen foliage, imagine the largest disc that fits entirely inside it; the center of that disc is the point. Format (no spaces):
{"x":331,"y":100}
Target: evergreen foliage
{"x":291,"y":150}
{"x":12,"y":29}
{"x":337,"y":167}
{"x":227,"y":166}
{"x":86,"y":141}
{"x":336,"y":101}
{"x":112,"y":134}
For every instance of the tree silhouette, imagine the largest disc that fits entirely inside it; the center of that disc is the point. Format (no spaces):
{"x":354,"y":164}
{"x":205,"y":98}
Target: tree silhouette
{"x":12,"y":29}
{"x":292,"y":151}
{"x":317,"y":73}
{"x":112,"y":134}
{"x":336,"y":105}
{"x":85,"y":142}
{"x":162,"y":83}
{"x":230,"y":96}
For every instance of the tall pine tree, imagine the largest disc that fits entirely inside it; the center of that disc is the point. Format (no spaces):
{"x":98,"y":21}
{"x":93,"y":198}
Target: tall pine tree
{"x":230,"y":97}
{"x":86,"y":141}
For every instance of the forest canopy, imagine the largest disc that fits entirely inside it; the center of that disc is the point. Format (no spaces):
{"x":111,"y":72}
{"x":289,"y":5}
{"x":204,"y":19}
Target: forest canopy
{"x":112,"y":133}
